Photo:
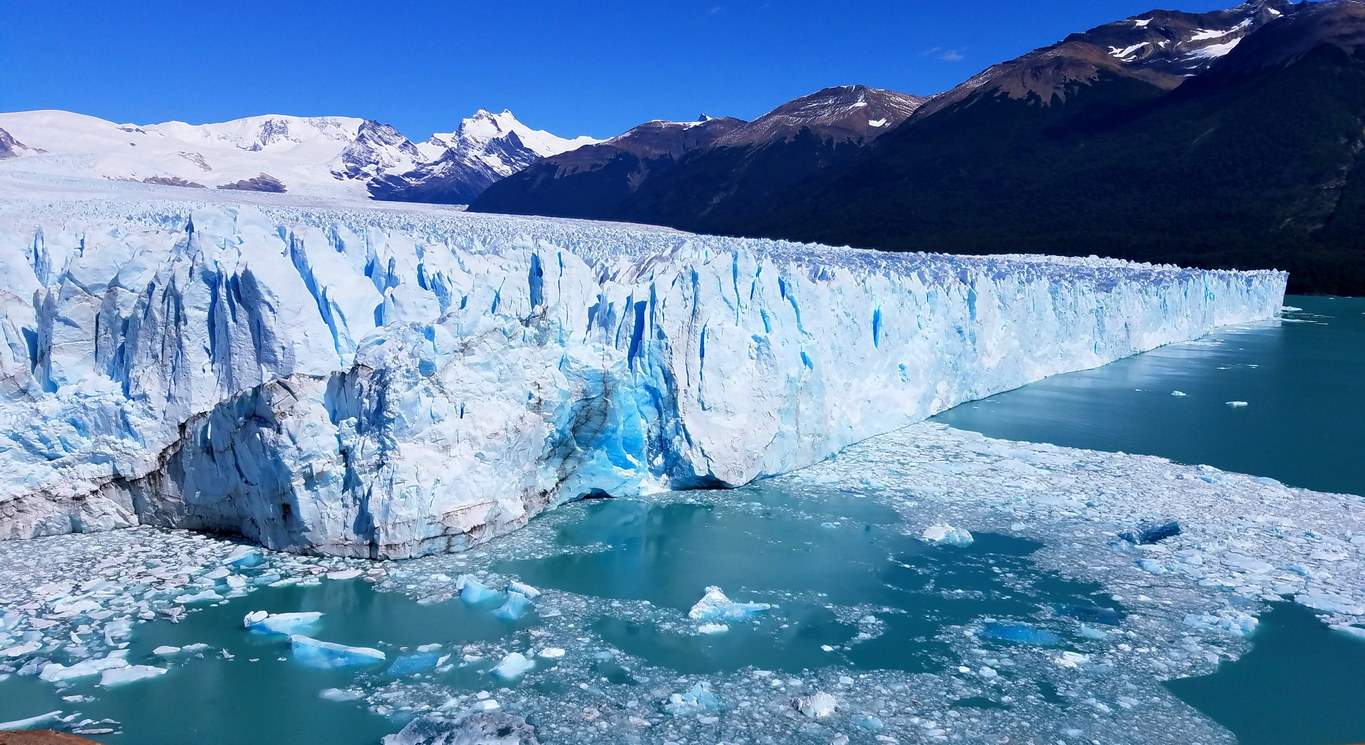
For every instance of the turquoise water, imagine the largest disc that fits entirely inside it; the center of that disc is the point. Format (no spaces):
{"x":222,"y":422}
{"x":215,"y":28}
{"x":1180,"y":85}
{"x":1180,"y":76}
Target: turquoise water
{"x":260,"y":695}
{"x":1304,"y":684}
{"x":1302,"y":380}
{"x":802,"y":557}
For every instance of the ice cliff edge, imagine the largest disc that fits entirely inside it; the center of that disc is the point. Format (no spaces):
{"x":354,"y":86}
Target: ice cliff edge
{"x":396,"y":382}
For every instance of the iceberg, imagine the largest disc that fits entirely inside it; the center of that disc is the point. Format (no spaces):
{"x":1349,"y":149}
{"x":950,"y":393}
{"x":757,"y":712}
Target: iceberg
{"x":125,"y":675}
{"x":512,"y":666}
{"x":391,"y":382}
{"x":698,"y":700}
{"x":475,"y":592}
{"x":516,"y":607}
{"x":310,"y":652}
{"x":947,"y":535}
{"x":715,"y":606}
{"x":284,"y":624}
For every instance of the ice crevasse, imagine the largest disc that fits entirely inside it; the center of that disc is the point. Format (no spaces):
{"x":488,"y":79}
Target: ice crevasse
{"x":396,"y":382}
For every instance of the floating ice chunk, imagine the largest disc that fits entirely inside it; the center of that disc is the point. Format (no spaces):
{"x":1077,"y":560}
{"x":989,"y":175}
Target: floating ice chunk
{"x":1179,"y":394}
{"x":1089,"y":614}
{"x":206,"y":596}
{"x":697,"y":700}
{"x":336,"y":694}
{"x":512,"y":666}
{"x":1017,"y":632}
{"x":1345,"y":628}
{"x":244,"y":556}
{"x":55,"y":672}
{"x":284,"y":624}
{"x":344,"y":574}
{"x":1151,"y":566}
{"x":713,"y":628}
{"x":1232,"y":622}
{"x":311,"y":652}
{"x":947,"y":535}
{"x":31,"y":722}
{"x":166,"y":651}
{"x":523,"y":589}
{"x":475,"y":592}
{"x":124,"y":675}
{"x":1238,"y":404}
{"x":22,"y":649}
{"x":816,"y":705}
{"x":515,"y":608}
{"x":715,"y":606}
{"x":415,"y":663}
{"x":551,"y":653}
{"x":1153,"y":532}
{"x":1331,"y":603}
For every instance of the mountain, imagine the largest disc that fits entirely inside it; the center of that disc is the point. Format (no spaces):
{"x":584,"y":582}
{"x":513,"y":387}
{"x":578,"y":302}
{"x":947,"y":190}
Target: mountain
{"x":1250,"y":162}
{"x":333,"y":156}
{"x":721,"y":169}
{"x":458,"y":166}
{"x":596,"y":180}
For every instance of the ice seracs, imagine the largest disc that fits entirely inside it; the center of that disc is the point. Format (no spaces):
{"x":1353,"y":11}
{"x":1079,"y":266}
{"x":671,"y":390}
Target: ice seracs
{"x":405,"y":381}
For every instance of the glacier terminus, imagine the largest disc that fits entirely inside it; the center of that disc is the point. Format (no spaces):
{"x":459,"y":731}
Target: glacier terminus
{"x":395,"y":381}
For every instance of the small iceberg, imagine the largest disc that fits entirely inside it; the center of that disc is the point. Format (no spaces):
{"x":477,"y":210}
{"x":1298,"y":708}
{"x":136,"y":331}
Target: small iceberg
{"x":31,"y":722}
{"x":1149,"y":533}
{"x":512,"y":666}
{"x":125,"y":675}
{"x":515,"y":608}
{"x":284,"y":624}
{"x":475,"y":592}
{"x":715,"y":606}
{"x":947,"y":535}
{"x":1021,"y":634}
{"x":816,"y":706}
{"x":415,"y":663}
{"x":1238,"y":404}
{"x":697,"y":700}
{"x":321,"y":655}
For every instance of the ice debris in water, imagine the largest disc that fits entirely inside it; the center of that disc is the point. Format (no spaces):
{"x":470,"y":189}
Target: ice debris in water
{"x":512,"y":666}
{"x":551,"y":653}
{"x":55,"y":672}
{"x":31,"y":722}
{"x":479,"y":728}
{"x":816,"y":706}
{"x":947,"y":535}
{"x":311,"y":652}
{"x":280,"y":623}
{"x":522,"y":588}
{"x":715,"y":606}
{"x":697,"y":700}
{"x":1238,"y":404}
{"x":1153,"y":532}
{"x":1179,"y":394}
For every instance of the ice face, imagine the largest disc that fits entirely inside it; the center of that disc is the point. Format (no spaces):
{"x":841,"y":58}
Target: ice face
{"x":392,"y":382}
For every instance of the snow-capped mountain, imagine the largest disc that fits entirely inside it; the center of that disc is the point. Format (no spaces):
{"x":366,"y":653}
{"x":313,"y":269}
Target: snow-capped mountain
{"x":458,"y":166}
{"x":847,"y":113}
{"x":1162,"y":48}
{"x":333,"y":156}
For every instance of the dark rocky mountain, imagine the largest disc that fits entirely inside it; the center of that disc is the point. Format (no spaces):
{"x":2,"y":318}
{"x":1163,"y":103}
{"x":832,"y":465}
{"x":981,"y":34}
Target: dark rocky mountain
{"x":698,"y":174}
{"x":599,"y":180}
{"x":1252,"y":162}
{"x":10,"y":147}
{"x":1222,"y":139}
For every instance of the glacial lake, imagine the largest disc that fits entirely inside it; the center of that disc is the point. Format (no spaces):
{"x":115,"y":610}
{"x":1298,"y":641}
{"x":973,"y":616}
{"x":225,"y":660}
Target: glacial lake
{"x":1302,"y":379}
{"x":851,"y":592}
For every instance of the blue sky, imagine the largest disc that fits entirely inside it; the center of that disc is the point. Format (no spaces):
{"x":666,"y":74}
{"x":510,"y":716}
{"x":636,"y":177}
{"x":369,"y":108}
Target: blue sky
{"x":574,"y":68}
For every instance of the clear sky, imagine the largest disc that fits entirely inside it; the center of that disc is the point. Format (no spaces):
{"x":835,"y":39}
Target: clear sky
{"x":596,"y":67}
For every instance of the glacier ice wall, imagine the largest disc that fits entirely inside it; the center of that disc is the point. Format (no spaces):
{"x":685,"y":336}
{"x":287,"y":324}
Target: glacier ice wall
{"x":396,"y":382}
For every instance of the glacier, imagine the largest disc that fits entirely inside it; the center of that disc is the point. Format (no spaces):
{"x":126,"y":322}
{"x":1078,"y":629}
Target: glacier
{"x":391,"y":382}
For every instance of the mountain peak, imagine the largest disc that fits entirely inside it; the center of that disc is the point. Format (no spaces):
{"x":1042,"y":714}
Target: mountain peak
{"x":846,"y":113}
